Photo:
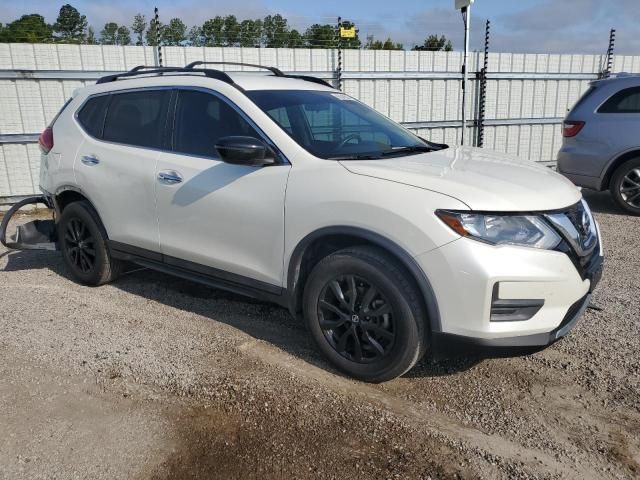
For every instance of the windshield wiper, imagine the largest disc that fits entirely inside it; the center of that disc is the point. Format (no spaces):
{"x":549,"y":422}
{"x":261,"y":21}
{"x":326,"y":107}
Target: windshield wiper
{"x":355,"y":157}
{"x":407,"y":149}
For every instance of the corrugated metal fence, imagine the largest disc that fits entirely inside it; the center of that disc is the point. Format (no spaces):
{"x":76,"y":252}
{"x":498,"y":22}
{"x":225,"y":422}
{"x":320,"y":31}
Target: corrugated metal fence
{"x":527,"y":94}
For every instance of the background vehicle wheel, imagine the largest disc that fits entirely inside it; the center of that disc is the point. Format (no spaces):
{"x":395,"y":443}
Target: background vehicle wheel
{"x":625,"y":186}
{"x":365,"y":314}
{"x":82,"y":240}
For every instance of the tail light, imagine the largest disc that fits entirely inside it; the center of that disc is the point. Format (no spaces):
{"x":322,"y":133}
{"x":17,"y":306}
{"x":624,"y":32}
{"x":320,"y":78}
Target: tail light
{"x":45,"y":140}
{"x":571,"y":128}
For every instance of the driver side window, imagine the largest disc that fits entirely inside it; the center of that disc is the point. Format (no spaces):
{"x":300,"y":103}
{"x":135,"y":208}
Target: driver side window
{"x":201,"y":119}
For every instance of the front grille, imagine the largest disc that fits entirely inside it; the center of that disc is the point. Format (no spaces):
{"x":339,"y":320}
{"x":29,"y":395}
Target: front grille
{"x":580,"y":237}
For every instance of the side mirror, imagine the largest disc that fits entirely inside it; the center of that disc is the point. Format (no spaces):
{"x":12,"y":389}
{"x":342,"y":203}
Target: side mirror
{"x":240,"y":150}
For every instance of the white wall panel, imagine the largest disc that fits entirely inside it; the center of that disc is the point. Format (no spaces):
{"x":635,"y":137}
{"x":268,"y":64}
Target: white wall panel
{"x":28,"y":105}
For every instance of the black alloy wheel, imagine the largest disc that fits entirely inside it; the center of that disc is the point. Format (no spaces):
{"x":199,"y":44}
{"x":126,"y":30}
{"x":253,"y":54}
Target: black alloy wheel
{"x":356,"y":319}
{"x":80,"y":245}
{"x":365,"y":313}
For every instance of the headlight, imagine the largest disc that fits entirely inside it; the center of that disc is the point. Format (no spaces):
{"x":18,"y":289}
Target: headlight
{"x":523,"y":230}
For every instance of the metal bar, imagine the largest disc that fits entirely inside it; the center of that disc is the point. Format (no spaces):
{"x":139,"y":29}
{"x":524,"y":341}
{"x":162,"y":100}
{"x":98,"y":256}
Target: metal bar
{"x":95,"y":74}
{"x":9,"y":138}
{"x":19,"y":138}
{"x":483,"y":86}
{"x":466,"y":14}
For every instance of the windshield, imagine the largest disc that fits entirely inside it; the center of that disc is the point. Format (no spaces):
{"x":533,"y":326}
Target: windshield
{"x":336,"y":126}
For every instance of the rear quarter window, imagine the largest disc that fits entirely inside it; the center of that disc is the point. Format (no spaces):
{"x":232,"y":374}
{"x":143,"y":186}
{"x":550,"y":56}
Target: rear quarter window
{"x":625,"y":101}
{"x":91,"y":115}
{"x":137,"y":118}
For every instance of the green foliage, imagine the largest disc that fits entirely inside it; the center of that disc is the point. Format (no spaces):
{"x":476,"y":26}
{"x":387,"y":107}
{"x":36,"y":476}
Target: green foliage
{"x":91,"y":36}
{"x":321,"y":36}
{"x":250,"y":33}
{"x":175,"y":33}
{"x":388,"y":44}
{"x":434,"y":43}
{"x":152,"y":32}
{"x":275,"y":31}
{"x":70,"y":27}
{"x":296,"y":39}
{"x":27,"y":29}
{"x":114,"y":34}
{"x":212,"y":32}
{"x":138,"y":27}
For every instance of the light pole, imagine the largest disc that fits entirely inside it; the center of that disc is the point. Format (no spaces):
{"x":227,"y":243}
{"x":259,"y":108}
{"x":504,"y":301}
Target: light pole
{"x":465,"y":7}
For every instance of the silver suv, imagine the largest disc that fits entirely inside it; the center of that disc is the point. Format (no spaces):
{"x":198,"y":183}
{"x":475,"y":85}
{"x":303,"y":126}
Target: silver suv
{"x":601,"y":145}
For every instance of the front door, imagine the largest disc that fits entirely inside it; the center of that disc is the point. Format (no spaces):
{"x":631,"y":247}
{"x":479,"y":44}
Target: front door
{"x":229,"y":218}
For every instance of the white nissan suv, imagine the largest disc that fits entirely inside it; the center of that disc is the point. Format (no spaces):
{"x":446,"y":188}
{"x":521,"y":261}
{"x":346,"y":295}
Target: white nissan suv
{"x":285,"y":189}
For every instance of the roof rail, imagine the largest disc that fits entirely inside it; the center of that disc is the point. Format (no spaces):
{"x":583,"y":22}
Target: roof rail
{"x":277,"y":72}
{"x":147,"y":70}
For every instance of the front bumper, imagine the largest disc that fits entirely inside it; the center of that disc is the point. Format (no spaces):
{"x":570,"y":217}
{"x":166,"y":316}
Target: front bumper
{"x":464,"y":273}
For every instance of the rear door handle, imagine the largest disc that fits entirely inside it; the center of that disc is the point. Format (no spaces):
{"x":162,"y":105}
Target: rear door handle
{"x":89,"y":160}
{"x":169,"y":177}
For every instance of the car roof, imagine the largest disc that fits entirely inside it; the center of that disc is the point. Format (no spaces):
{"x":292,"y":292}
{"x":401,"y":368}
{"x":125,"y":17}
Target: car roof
{"x":624,"y":79}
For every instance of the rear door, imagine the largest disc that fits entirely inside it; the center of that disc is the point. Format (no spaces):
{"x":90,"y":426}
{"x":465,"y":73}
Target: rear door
{"x":115,"y":165}
{"x":228,"y":218}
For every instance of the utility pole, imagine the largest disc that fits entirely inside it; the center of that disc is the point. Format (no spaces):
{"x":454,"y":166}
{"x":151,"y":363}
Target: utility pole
{"x":465,"y":7}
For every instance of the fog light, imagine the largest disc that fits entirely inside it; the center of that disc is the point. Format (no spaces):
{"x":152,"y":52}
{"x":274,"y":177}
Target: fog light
{"x":512,"y":310}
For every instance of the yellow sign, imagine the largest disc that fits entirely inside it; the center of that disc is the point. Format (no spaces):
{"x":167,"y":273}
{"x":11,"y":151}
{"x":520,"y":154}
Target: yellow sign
{"x":348,"y":32}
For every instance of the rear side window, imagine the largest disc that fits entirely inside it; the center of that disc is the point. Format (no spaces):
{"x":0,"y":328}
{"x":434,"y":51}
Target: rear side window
{"x":91,"y":115}
{"x":625,"y":101}
{"x":137,"y":118}
{"x":201,"y":119}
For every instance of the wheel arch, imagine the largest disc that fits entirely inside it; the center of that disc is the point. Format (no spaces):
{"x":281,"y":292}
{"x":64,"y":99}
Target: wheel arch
{"x":615,"y":163}
{"x":324,"y":241}
{"x":68,"y":194}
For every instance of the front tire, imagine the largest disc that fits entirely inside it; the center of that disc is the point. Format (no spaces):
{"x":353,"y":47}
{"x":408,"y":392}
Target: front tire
{"x":365,"y":314}
{"x":82,"y":240}
{"x":625,"y":186}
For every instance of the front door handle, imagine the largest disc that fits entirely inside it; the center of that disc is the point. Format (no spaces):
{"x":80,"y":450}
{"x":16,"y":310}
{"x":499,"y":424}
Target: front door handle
{"x":89,"y":160}
{"x":169,"y":177}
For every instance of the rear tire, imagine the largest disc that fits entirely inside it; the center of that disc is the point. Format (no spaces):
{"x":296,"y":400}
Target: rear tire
{"x":379,"y":332}
{"x":82,"y":240}
{"x":625,"y":186}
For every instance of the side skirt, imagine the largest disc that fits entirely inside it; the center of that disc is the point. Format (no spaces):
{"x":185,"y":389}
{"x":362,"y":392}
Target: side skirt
{"x":210,"y":276}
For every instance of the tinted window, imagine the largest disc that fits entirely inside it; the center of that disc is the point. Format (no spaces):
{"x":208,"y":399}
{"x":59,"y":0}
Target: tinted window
{"x":91,"y":115}
{"x":625,"y":101}
{"x":201,"y":119}
{"x":137,"y":118}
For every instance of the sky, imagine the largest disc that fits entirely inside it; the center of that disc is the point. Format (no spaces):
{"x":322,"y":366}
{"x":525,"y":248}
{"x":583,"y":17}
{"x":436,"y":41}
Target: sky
{"x":537,"y":26}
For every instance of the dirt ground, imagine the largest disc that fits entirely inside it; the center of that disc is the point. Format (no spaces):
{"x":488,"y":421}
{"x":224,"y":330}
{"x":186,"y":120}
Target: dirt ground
{"x":154,"y":377}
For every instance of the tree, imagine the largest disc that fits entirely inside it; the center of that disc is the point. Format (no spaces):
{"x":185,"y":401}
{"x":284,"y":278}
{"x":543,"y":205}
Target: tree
{"x":434,"y":43}
{"x":175,"y":33}
{"x":250,"y":33}
{"x":109,"y":33}
{"x":212,"y":32}
{"x":138,"y":27}
{"x":91,"y":36}
{"x":195,"y":37}
{"x":70,"y":26}
{"x":27,"y":29}
{"x":321,"y":36}
{"x":296,"y":39}
{"x":275,"y":31}
{"x":231,"y":31}
{"x":388,"y":44}
{"x":152,"y":30}
{"x":123,"y":36}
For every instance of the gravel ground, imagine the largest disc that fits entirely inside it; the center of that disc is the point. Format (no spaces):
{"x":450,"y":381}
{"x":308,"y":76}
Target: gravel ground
{"x":154,"y":377}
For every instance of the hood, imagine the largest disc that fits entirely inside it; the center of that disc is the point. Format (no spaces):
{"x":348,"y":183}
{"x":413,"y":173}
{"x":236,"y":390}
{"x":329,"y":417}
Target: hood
{"x":483,"y":179}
